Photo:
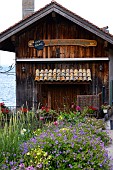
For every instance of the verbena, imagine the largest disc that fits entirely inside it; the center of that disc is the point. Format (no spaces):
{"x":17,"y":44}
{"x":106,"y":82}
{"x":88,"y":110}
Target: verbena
{"x":73,"y":141}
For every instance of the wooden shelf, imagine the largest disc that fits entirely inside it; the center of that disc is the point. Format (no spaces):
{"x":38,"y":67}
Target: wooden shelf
{"x":61,"y":59}
{"x":63,"y":82}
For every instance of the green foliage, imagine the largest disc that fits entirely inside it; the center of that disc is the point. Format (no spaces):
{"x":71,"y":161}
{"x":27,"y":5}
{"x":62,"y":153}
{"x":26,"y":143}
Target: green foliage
{"x":46,"y":115}
{"x":72,"y":147}
{"x":104,"y":137}
{"x":96,"y":123}
{"x":37,"y":158}
{"x":73,"y":117}
{"x":74,"y":141}
{"x":13,"y":133}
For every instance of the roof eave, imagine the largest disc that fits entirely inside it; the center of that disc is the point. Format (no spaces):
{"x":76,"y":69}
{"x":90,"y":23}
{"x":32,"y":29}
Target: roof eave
{"x":82,"y":22}
{"x":26,"y":22}
{"x":63,"y":12}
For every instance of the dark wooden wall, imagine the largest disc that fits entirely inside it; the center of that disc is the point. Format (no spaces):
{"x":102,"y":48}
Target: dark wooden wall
{"x":58,"y":28}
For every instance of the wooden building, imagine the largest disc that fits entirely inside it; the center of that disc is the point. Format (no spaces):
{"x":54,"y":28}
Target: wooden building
{"x":60,"y":58}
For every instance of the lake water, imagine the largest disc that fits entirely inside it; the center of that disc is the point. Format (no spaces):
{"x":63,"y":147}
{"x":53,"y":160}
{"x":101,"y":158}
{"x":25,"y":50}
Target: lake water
{"x":7,"y":86}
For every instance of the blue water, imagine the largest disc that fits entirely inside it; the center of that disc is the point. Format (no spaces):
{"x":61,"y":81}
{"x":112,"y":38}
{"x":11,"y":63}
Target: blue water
{"x":7,"y":86}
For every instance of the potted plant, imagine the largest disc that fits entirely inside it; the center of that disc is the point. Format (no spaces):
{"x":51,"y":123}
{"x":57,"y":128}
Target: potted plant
{"x":92,"y":111}
{"x":105,"y":107}
{"x":45,"y":113}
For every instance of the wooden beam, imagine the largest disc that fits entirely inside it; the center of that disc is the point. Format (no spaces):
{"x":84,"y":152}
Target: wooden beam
{"x":62,"y":82}
{"x":49,"y":99}
{"x":61,"y":59}
{"x":57,"y":42}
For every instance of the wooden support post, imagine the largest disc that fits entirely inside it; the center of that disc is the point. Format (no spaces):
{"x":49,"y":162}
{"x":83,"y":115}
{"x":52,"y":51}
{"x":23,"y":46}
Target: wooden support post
{"x":49,"y":99}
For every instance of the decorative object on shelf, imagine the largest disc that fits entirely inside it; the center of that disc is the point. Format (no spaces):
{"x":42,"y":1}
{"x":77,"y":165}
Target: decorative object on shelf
{"x":63,"y":75}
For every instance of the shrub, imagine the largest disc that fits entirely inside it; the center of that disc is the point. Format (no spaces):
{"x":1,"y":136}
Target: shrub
{"x":37,"y":158}
{"x":71,"y":142}
{"x":70,"y":147}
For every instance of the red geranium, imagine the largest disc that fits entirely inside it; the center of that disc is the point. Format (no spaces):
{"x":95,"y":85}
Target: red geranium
{"x":24,"y":110}
{"x":46,"y":109}
{"x":43,"y":108}
{"x":2,"y":104}
{"x":4,"y":109}
{"x":92,"y":109}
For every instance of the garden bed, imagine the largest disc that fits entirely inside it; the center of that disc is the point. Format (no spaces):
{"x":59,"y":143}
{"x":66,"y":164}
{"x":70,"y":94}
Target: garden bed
{"x":73,"y":141}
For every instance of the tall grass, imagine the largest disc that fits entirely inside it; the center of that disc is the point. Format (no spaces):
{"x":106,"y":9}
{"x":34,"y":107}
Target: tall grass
{"x":14,"y":131}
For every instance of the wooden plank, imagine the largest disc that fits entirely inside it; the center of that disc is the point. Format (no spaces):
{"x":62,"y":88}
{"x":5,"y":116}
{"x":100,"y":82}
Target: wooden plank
{"x":61,"y":59}
{"x":62,"y":82}
{"x":49,"y":99}
{"x":56,"y":42}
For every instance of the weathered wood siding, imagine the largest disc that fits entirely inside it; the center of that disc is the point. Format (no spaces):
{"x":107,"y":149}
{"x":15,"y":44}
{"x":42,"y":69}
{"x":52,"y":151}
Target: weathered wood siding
{"x":58,"y":28}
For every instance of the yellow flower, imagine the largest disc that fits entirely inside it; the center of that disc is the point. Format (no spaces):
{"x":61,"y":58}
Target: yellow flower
{"x":28,"y":153}
{"x":64,"y":129}
{"x":45,"y":154}
{"x":60,"y":117}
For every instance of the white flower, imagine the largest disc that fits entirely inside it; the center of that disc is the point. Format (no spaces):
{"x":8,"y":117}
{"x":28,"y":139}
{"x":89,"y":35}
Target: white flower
{"x":23,"y":131}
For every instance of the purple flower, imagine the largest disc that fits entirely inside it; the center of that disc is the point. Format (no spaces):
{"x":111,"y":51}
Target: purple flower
{"x":82,"y":132}
{"x":100,"y":165}
{"x":6,"y":161}
{"x":4,"y":166}
{"x":21,"y":160}
{"x":70,"y":166}
{"x":59,"y":134}
{"x":75,"y":136}
{"x":13,"y":168}
{"x":11,"y":163}
{"x":39,"y":166}
{"x":56,"y":142}
{"x":30,"y":168}
{"x":60,"y":152}
{"x":72,"y":145}
{"x":34,"y":140}
{"x":21,"y":165}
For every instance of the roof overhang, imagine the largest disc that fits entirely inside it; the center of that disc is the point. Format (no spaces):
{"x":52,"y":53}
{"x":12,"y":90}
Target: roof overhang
{"x":57,"y":8}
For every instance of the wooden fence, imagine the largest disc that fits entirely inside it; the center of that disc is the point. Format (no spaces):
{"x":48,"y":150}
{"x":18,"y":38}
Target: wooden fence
{"x":89,"y":100}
